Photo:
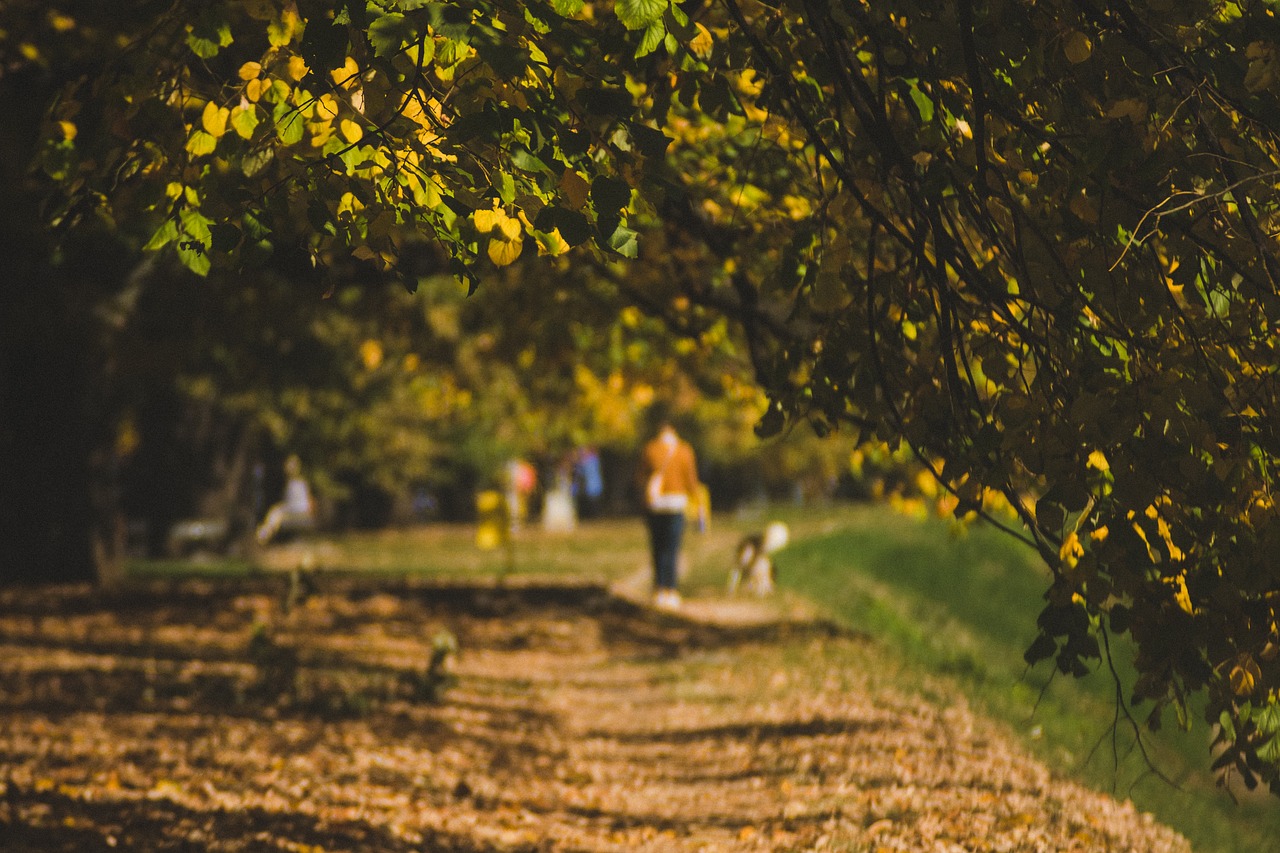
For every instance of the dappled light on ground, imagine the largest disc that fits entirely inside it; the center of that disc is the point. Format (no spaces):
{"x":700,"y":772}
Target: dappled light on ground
{"x":204,"y":716}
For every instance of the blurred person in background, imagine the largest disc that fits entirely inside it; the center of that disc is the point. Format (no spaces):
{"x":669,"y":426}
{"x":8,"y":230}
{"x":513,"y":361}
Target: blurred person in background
{"x":668,"y":478}
{"x":296,"y":511}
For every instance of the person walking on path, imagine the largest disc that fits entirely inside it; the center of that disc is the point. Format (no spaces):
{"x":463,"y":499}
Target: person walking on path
{"x":668,"y":478}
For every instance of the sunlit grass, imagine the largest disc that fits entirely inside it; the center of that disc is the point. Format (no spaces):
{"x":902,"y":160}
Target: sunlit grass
{"x":965,"y":606}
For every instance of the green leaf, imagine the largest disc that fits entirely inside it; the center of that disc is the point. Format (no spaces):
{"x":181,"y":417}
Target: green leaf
{"x":567,"y":8}
{"x":196,"y":225}
{"x":209,"y":34}
{"x":195,"y":258}
{"x":923,"y":104}
{"x":1267,"y":719}
{"x":245,"y":122}
{"x":1270,"y":751}
{"x":678,"y":23}
{"x":639,"y":14}
{"x":291,"y":128}
{"x":653,"y":36}
{"x":389,"y":33}
{"x":623,"y":241}
{"x":201,"y":143}
{"x":254,"y":226}
{"x":165,"y":234}
{"x":506,"y":188}
{"x":522,"y":159}
{"x":255,"y":161}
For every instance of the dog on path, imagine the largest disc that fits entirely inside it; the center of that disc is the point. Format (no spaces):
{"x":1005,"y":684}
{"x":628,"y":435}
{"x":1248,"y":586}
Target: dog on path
{"x":753,"y":564}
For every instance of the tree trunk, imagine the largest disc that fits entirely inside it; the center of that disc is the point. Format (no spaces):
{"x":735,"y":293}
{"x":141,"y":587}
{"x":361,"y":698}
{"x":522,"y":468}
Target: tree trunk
{"x":46,"y":512}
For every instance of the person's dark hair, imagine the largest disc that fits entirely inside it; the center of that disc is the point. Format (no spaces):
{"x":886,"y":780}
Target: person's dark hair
{"x":658,"y":416}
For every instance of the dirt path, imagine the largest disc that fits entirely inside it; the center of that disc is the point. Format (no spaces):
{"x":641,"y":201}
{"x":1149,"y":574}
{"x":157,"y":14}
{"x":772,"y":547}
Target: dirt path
{"x":579,"y":722}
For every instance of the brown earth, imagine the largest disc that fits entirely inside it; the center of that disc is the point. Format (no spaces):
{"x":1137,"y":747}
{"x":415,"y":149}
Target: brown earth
{"x":159,"y":718}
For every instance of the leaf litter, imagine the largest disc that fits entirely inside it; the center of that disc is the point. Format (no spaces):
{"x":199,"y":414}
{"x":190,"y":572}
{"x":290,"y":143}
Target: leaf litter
{"x":212,"y":717}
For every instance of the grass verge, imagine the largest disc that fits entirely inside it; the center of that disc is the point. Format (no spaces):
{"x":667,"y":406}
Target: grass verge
{"x":964,"y":605}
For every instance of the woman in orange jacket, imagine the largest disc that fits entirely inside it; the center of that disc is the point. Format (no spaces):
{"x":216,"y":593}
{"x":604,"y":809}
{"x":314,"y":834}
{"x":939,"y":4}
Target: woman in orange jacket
{"x":668,"y":476}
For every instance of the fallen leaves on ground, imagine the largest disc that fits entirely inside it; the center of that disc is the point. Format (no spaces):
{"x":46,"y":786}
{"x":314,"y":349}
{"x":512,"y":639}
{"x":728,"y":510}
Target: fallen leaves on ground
{"x":151,"y":719}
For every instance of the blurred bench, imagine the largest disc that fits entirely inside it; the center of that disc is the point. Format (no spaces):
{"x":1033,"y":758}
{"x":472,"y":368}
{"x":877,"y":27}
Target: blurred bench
{"x":192,"y":536}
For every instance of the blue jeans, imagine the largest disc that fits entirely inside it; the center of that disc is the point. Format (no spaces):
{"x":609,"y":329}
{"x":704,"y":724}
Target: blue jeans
{"x":665,"y":531}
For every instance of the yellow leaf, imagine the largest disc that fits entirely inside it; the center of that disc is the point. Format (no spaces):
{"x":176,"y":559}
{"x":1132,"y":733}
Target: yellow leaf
{"x":214,"y":119}
{"x":1245,"y":676}
{"x":250,"y":71}
{"x":1071,"y":550}
{"x":349,"y":204}
{"x":504,"y":252}
{"x":254,"y":88}
{"x":487,"y":220}
{"x":1152,"y":553}
{"x":1176,"y":554}
{"x":68,"y":130}
{"x":1098,"y":460}
{"x":297,"y":68}
{"x":350,"y":130}
{"x":511,"y":229}
{"x":348,"y":75}
{"x":702,"y":43}
{"x":326,"y":107}
{"x":1180,"y":593}
{"x":1077,"y":47}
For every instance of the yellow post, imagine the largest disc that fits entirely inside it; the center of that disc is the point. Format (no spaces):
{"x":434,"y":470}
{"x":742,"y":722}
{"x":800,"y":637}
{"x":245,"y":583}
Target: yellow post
{"x":493,"y":524}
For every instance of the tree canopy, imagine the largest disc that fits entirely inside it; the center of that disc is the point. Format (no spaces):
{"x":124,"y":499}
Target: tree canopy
{"x":1033,"y":241}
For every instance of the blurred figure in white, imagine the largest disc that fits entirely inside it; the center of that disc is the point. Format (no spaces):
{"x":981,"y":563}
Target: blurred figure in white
{"x":296,"y":511}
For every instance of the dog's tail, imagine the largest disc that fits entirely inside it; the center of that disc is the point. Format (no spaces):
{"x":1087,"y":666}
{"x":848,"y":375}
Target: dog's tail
{"x":748,"y":549}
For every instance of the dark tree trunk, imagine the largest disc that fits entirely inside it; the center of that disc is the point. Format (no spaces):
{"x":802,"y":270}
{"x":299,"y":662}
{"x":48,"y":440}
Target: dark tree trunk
{"x":46,"y":435}
{"x":45,"y":524}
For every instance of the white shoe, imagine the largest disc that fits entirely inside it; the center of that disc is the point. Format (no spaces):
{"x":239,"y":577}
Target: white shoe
{"x":667,"y":599}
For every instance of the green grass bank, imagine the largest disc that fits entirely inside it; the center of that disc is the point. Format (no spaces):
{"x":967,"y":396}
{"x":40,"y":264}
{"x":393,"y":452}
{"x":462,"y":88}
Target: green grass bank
{"x":963,"y":604}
